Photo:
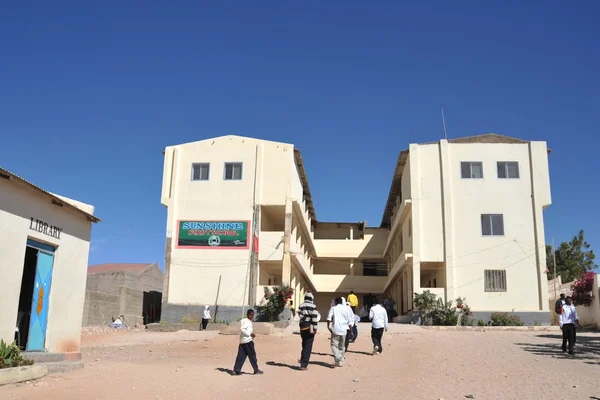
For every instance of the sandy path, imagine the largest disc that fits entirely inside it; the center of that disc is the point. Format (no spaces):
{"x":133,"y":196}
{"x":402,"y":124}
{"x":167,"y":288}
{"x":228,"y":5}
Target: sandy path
{"x":416,"y":364}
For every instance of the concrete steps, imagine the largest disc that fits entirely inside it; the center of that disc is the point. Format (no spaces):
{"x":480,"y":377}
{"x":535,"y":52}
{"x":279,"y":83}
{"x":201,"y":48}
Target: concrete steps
{"x":56,"y":362}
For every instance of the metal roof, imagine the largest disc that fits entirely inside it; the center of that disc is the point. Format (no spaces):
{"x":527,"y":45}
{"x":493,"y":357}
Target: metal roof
{"x":55,"y":199}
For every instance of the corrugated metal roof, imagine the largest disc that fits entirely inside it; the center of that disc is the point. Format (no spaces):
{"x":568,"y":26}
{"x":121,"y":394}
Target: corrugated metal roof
{"x":55,"y":199}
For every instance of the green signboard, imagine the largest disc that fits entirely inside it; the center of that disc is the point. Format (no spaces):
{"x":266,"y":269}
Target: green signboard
{"x":212,"y":234}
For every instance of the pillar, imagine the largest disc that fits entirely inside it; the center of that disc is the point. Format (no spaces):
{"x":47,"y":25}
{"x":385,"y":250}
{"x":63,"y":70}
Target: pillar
{"x":286,"y":273}
{"x":446,"y":171}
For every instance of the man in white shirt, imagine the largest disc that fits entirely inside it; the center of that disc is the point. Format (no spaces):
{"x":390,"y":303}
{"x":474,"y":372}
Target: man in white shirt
{"x":568,"y":319}
{"x":350,"y":332}
{"x":340,"y":318}
{"x":205,"y":317}
{"x":246,"y":347}
{"x":379,"y":322}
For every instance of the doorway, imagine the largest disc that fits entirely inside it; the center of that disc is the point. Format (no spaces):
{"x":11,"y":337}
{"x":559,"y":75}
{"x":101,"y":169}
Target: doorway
{"x":32,"y":315}
{"x":152,"y":303}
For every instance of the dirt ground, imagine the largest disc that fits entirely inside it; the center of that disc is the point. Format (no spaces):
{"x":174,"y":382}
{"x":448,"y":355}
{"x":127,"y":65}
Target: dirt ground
{"x":416,"y":364}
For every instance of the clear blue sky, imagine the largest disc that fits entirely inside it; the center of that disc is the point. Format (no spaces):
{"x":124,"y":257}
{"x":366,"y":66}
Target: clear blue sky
{"x":90,"y":92}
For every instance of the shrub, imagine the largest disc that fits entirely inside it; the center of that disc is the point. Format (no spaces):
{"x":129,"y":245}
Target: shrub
{"x":10,"y":356}
{"x":444,"y":314}
{"x":480,"y":323}
{"x":189,"y":320}
{"x":276,"y":300}
{"x":504,"y":319}
{"x":582,"y":289}
{"x":464,"y":312}
{"x":435,"y":311}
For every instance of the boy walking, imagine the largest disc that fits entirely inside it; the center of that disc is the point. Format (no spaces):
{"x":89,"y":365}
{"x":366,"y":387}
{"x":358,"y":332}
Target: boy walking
{"x":309,"y":321}
{"x":246,"y":347}
{"x":205,"y":317}
{"x":340,"y":318}
{"x":379,"y":322}
{"x":568,"y":320}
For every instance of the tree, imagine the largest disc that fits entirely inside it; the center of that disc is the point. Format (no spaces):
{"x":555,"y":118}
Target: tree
{"x":582,"y":289}
{"x":572,"y":259}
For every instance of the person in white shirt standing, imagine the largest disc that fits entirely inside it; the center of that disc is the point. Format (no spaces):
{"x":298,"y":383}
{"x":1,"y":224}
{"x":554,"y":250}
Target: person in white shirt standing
{"x":379,"y":322}
{"x":246,"y":348}
{"x":205,"y":317}
{"x":340,"y":318}
{"x":568,"y":320}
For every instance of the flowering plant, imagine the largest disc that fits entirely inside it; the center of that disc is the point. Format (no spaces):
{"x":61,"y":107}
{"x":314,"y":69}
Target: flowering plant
{"x":464,"y":312}
{"x":582,"y":289}
{"x":276,"y":299}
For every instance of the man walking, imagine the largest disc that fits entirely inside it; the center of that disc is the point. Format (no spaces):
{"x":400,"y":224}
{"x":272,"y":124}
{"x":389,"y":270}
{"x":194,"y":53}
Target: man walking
{"x":246,"y":347}
{"x":309,"y":321}
{"x":568,"y":319}
{"x":353,"y":300}
{"x":379,"y":323}
{"x":350,"y":333}
{"x":339,"y":317}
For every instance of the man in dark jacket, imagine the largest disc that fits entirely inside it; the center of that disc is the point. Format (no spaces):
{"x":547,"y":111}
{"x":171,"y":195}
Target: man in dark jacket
{"x":309,"y":321}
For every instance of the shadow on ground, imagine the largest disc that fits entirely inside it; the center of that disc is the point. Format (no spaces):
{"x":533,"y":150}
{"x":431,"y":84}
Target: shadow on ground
{"x":586,"y":348}
{"x":230,"y":371}
{"x":296,"y":367}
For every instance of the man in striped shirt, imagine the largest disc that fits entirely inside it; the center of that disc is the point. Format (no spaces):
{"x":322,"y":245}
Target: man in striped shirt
{"x":309,"y":321}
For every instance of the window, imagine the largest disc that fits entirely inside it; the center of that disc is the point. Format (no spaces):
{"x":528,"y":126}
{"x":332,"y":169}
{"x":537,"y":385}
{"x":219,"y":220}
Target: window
{"x":375,"y":268}
{"x":492,"y":224}
{"x":233,"y":171}
{"x":200,"y":171}
{"x":508,"y":170}
{"x":471,"y":169}
{"x":495,"y":280}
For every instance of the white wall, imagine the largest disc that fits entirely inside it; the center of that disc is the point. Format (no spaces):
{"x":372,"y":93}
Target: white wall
{"x":18,"y":204}
{"x":429,"y":198}
{"x":194,"y":273}
{"x":473,"y":253}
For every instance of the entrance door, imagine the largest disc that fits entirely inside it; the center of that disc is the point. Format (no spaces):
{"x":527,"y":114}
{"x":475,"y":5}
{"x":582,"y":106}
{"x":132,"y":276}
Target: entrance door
{"x":41,"y":294}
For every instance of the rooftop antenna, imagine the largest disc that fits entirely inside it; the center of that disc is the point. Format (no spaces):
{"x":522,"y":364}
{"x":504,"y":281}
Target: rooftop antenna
{"x":444,"y":123}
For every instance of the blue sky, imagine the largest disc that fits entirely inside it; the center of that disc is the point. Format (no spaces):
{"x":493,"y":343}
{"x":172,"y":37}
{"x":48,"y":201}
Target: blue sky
{"x":91,"y":92}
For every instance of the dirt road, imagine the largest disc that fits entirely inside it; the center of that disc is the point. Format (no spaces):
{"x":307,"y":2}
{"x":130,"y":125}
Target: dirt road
{"x":416,"y":364}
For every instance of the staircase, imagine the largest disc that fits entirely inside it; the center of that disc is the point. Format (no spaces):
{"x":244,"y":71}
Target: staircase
{"x":56,"y":362}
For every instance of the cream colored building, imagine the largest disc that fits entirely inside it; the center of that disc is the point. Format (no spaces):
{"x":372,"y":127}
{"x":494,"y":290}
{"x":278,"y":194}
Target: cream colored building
{"x":44,"y":246}
{"x":463,"y":218}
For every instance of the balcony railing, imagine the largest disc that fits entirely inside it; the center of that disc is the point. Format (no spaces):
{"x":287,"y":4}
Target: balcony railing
{"x":332,"y":248}
{"x":345,"y":283}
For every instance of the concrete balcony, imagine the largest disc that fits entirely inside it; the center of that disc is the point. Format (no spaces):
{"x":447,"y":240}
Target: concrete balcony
{"x":270,"y":246}
{"x":370,"y":247}
{"x":345,"y":283}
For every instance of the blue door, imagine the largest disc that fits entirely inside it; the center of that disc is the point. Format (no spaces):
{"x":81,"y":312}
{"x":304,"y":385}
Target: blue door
{"x":39,"y":306}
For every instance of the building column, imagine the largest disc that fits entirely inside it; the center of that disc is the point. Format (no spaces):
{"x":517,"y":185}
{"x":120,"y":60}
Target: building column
{"x":446,"y":178}
{"x":286,"y":273}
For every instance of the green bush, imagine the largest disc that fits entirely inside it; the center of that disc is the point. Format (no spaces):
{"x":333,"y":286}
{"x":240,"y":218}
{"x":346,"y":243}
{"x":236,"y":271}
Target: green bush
{"x":434,"y":311}
{"x":480,"y":323}
{"x":504,"y":319}
{"x":10,"y":356}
